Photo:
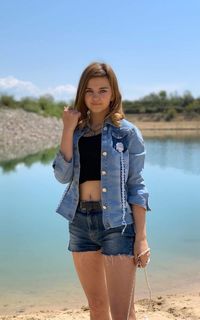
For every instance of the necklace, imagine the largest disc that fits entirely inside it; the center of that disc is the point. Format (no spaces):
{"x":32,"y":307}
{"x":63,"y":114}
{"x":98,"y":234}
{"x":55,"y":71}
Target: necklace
{"x":94,"y":131}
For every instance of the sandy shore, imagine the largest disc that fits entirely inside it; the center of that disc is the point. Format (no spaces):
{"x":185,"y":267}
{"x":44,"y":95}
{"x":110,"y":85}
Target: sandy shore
{"x":171,"y":306}
{"x":177,"y":128}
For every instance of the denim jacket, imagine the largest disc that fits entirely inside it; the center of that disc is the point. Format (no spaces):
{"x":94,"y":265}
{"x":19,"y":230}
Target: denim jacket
{"x":122,"y":184}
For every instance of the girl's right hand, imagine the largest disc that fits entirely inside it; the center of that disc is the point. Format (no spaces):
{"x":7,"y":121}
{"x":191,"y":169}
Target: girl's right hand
{"x":70,"y":118}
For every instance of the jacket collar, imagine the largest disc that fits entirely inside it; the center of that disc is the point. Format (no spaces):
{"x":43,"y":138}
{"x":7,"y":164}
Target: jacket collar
{"x":109,"y":121}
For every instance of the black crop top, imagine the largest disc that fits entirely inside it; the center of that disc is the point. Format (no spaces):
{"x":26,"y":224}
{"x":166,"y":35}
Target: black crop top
{"x":90,"y":158}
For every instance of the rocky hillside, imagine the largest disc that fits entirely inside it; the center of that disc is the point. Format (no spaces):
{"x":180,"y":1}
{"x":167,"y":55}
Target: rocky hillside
{"x":23,"y":133}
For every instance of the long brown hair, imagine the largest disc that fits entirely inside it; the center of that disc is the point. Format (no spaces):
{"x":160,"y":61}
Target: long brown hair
{"x":97,"y":69}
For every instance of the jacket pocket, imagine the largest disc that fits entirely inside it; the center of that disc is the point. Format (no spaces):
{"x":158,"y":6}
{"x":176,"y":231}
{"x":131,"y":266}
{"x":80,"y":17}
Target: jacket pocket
{"x":119,"y":140}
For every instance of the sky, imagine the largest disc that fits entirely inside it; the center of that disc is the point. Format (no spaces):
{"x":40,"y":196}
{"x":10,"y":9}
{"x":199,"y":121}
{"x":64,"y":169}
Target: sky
{"x":151,"y":45}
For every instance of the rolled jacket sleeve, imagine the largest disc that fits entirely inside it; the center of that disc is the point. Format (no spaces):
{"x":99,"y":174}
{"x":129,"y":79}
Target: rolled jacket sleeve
{"x":63,"y":170}
{"x":137,"y":192}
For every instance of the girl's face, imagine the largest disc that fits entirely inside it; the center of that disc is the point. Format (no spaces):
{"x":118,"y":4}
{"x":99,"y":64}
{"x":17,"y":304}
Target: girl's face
{"x":98,"y":95}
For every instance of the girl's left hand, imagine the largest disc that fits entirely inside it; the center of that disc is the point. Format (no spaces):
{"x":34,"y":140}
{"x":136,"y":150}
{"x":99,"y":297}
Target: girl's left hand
{"x":139,"y":247}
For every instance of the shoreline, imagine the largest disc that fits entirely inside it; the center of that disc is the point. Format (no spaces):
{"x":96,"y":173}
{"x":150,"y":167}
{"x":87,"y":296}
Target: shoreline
{"x":177,"y":128}
{"x":165,"y":306}
{"x":25,"y":133}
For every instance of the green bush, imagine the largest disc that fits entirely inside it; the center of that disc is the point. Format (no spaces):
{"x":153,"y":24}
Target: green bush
{"x":153,"y":103}
{"x":170,"y":114}
{"x":29,"y":104}
{"x":7,"y":101}
{"x":193,"y":107}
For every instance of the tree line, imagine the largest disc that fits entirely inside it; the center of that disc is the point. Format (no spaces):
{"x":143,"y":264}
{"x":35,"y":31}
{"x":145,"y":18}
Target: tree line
{"x":169,"y":105}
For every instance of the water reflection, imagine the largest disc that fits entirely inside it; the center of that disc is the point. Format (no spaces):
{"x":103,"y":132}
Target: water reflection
{"x":176,"y":152}
{"x":182,"y":153}
{"x":44,"y":157}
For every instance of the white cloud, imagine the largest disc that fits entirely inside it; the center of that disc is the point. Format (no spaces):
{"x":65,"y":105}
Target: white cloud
{"x":19,"y":89}
{"x":62,"y":91}
{"x":17,"y":86}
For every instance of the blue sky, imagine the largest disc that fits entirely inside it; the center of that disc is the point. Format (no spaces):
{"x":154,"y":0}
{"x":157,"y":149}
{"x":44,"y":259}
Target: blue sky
{"x":151,"y":45}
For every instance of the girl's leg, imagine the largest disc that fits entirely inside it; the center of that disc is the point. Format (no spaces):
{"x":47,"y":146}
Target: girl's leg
{"x":120,"y":277}
{"x":90,"y":269}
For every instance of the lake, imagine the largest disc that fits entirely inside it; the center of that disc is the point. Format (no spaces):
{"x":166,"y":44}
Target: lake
{"x":36,"y":269}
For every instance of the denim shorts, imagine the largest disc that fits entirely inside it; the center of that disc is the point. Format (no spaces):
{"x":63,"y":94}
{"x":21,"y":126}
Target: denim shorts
{"x":87,"y":233}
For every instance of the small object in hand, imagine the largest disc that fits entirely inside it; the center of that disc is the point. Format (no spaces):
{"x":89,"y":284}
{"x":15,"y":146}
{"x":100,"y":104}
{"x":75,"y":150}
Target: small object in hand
{"x":141,"y":254}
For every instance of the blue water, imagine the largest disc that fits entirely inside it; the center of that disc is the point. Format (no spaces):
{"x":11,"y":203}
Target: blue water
{"x":35,"y":265}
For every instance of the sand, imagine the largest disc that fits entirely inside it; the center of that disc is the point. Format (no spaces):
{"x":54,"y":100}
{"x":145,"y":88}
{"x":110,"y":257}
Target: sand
{"x":178,"y":128}
{"x":170,"y":306}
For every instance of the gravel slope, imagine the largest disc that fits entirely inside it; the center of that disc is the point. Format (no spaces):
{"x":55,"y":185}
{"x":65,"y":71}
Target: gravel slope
{"x":23,"y":133}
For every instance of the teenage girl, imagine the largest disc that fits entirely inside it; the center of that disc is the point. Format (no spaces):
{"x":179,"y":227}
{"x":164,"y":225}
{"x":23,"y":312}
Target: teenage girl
{"x":101,"y":158}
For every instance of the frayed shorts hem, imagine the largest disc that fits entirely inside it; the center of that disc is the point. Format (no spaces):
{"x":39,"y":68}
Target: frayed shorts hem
{"x":103,"y":253}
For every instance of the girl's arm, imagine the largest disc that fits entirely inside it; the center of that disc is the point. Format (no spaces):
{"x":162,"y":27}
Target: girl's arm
{"x":137,"y":195}
{"x":140,"y":244}
{"x":139,"y":216}
{"x":63,"y":162}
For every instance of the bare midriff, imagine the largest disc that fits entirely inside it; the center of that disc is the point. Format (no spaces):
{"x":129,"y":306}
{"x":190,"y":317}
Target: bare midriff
{"x":90,"y":190}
